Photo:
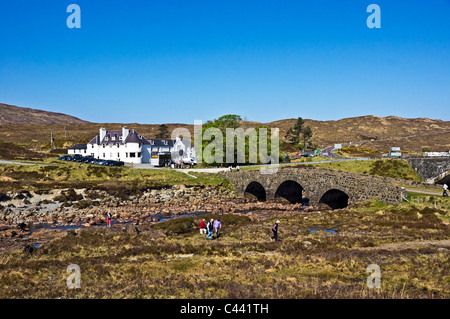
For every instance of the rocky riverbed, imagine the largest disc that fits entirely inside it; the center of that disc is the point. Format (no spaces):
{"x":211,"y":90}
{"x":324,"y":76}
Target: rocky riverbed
{"x":88,"y":207}
{"x":31,"y":217}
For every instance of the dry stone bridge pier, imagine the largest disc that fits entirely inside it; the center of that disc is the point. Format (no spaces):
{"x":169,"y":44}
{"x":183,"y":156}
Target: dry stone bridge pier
{"x":319,"y":185}
{"x":433,"y":170}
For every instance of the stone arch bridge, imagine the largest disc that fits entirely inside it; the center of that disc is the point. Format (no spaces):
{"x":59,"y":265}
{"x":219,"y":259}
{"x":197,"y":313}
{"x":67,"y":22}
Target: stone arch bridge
{"x":318,"y":185}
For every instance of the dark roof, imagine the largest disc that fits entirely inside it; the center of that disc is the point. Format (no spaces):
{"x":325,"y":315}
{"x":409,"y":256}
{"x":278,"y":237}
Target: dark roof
{"x":94,"y":140}
{"x":135,"y":137}
{"x":115,"y":137}
{"x":160,"y":142}
{"x":79,"y":147}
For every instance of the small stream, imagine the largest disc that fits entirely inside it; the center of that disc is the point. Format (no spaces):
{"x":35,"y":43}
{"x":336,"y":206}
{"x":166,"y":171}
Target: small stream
{"x":161,"y":218}
{"x":331,"y":231}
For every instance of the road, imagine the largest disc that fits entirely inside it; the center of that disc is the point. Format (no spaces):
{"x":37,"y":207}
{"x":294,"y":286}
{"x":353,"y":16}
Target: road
{"x":424,"y":191}
{"x":21,"y":163}
{"x":329,"y":152}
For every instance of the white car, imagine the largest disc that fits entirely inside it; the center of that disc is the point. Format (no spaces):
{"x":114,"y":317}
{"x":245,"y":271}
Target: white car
{"x":191,"y":160}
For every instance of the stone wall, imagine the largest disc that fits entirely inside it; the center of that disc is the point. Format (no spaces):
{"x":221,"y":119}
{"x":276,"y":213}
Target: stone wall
{"x":317,"y":181}
{"x":431,"y":169}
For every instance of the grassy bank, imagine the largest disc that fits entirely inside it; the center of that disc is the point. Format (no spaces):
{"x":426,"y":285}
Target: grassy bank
{"x":76,"y":175}
{"x":172,"y":260}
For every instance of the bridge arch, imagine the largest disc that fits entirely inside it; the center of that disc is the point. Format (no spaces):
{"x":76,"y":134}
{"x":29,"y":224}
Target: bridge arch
{"x":335,"y":198}
{"x":291,"y":191}
{"x":257,"y":190}
{"x":444,"y":179}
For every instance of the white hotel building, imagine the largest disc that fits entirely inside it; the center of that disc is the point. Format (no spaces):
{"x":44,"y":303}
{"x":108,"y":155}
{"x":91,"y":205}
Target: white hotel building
{"x":130,"y":147}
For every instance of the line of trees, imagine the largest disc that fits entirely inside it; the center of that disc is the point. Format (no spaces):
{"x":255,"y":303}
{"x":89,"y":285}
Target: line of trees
{"x":299,"y":133}
{"x":247,"y":144}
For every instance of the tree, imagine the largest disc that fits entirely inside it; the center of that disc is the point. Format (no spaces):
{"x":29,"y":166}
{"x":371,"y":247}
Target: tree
{"x":293,"y":134}
{"x":163,"y":131}
{"x":306,"y":134}
{"x":215,"y":143}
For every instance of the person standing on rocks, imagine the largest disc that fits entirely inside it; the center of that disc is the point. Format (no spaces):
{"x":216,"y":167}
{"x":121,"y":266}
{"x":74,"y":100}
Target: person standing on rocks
{"x":210,"y":228}
{"x":108,"y":219}
{"x":275,"y":231}
{"x":202,"y":227}
{"x":445,"y":187}
{"x":217,"y":226}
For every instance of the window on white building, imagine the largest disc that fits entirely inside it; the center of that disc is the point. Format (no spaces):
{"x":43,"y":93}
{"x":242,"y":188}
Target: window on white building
{"x":132,"y":154}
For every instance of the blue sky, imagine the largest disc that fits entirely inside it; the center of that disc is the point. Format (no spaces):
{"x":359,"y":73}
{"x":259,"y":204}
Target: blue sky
{"x":174,"y":61}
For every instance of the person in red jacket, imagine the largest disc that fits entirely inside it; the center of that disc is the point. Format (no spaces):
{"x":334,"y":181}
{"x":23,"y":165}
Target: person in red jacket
{"x":202,"y":227}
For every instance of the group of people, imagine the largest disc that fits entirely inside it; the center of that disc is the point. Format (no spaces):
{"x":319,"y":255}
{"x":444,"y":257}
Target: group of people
{"x":210,"y":228}
{"x":230,"y":168}
{"x":180,"y":164}
{"x":213,"y":227}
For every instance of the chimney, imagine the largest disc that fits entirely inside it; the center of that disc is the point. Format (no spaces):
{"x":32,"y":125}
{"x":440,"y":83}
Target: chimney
{"x":125,"y":132}
{"x":102,"y":133}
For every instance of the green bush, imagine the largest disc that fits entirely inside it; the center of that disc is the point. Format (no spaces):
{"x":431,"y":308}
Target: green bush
{"x":177,"y":226}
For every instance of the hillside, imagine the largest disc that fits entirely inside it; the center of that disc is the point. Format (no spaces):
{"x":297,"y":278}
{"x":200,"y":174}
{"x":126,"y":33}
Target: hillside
{"x":410,"y":134}
{"x":31,"y":128}
{"x":10,"y":114}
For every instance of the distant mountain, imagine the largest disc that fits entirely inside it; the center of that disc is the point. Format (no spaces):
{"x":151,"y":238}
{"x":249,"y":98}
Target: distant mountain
{"x":10,"y":114}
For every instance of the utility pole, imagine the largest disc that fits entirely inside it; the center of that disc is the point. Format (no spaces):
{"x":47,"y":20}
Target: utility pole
{"x":52,"y":139}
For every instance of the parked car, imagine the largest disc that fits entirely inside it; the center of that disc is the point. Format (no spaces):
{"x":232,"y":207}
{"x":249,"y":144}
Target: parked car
{"x":94,"y":161}
{"x":65,"y":158}
{"x":87,"y":159}
{"x":191,"y":160}
{"x":109,"y":163}
{"x":119,"y":163}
